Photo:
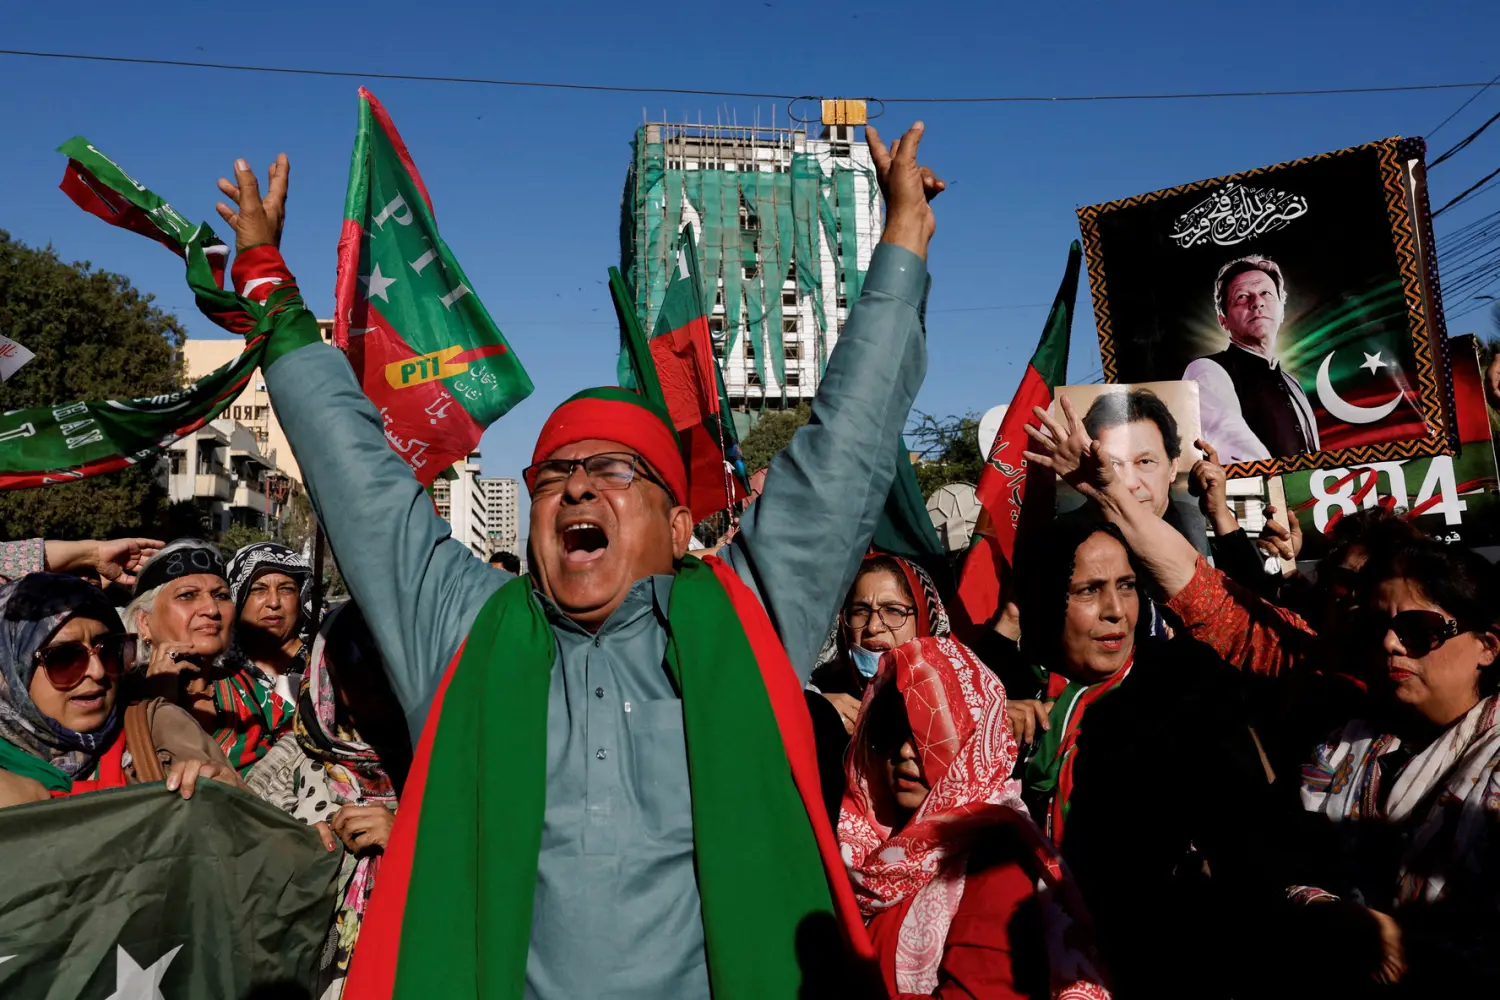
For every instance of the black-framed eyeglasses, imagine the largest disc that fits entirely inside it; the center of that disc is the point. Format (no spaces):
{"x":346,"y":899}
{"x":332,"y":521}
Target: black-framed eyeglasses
{"x":611,"y":470}
{"x":67,"y":663}
{"x":892,"y":616}
{"x":1420,"y":631}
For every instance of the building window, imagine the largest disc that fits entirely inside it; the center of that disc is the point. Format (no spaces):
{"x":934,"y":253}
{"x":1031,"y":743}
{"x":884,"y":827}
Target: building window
{"x":752,"y":270}
{"x":789,"y":299}
{"x":793,"y":352}
{"x":748,"y":219}
{"x":793,"y":379}
{"x":261,"y":412}
{"x":752,"y":378}
{"x":843,"y":302}
{"x":178,"y":460}
{"x":716,"y":327}
{"x":789,"y":325}
{"x":749,"y":348}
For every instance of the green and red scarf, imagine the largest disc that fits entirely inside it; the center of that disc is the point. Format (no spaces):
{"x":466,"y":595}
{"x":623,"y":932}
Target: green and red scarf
{"x":1049,"y":773}
{"x":451,"y":914}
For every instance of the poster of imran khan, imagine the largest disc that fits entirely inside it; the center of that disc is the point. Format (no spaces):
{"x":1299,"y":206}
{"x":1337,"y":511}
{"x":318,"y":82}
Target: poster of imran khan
{"x":1296,"y":296}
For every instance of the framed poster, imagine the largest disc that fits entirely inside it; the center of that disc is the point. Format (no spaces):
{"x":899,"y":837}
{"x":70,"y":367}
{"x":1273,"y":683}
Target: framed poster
{"x":1450,"y":497}
{"x":1297,"y":296}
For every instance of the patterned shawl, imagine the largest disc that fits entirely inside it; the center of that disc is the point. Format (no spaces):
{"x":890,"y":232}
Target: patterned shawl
{"x":339,"y":769}
{"x":269,"y":557}
{"x":32,"y":609}
{"x":1447,"y":797}
{"x":956,"y":709}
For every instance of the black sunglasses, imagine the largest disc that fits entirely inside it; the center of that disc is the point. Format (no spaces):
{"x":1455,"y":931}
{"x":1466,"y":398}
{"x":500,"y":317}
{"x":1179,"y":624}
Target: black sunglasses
{"x":67,"y":663}
{"x":1420,"y":631}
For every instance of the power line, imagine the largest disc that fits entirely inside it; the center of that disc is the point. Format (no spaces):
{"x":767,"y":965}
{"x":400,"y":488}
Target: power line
{"x":1458,"y":146}
{"x":636,"y":89}
{"x":1472,"y":98}
{"x":1468,"y":191}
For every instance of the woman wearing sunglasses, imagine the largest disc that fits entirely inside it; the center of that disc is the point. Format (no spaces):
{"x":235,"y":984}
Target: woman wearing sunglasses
{"x":1399,"y":863}
{"x":62,"y":654}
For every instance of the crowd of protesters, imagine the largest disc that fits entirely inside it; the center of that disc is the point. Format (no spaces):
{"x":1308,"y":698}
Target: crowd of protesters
{"x":1161,"y":771}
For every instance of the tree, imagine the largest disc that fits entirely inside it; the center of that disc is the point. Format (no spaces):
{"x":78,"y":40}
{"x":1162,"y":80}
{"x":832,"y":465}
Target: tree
{"x":949,"y":449}
{"x":95,"y":337}
{"x":237,"y":537}
{"x":771,"y":433}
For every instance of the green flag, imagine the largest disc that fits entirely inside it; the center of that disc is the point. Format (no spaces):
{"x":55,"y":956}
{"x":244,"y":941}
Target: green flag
{"x":138,"y":893}
{"x":75,"y":439}
{"x":424,"y":347}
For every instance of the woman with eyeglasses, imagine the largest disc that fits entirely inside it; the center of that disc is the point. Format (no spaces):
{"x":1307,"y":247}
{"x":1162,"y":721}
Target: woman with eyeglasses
{"x":962,"y":895}
{"x":62,"y":655}
{"x":1396,"y":861}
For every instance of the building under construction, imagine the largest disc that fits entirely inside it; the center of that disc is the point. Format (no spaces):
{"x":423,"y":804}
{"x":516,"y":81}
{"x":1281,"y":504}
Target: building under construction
{"x":785,"y":224}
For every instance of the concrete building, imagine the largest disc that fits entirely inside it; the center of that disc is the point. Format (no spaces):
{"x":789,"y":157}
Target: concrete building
{"x":222,"y":470}
{"x":253,"y":406}
{"x":460,"y":502}
{"x":785,"y":220}
{"x":502,"y":512}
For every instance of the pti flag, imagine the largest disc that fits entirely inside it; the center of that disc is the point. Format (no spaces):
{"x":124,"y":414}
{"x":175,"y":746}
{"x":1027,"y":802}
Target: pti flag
{"x":1003,"y":483}
{"x":424,"y":348}
{"x":74,"y":440}
{"x":689,"y":382}
{"x":138,"y":894}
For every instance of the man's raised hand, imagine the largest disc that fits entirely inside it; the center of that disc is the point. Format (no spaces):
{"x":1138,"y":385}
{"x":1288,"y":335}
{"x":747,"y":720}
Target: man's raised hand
{"x":258,"y":219}
{"x":908,"y":187}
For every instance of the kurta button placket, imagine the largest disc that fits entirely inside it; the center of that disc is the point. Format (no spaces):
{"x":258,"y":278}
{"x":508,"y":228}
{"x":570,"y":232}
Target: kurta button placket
{"x":600,"y":754}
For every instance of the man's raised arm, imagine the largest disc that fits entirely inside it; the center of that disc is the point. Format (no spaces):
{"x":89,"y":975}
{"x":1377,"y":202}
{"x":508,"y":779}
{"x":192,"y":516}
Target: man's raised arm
{"x":801,"y":543}
{"x":418,"y":587}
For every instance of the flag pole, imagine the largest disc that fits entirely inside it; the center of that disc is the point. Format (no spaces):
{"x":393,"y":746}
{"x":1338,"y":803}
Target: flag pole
{"x":317,"y":588}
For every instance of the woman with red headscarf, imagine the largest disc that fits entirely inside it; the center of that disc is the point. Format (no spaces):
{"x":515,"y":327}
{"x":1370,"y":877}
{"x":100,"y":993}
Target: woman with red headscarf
{"x":963,"y":896}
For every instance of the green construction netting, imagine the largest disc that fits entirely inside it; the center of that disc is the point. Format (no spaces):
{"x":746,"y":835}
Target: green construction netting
{"x":789,"y":209}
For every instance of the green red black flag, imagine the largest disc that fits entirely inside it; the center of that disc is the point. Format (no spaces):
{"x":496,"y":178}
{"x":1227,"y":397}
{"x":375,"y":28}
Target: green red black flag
{"x":424,"y":348}
{"x":677,"y":369}
{"x":74,"y":440}
{"x":1003,"y":483}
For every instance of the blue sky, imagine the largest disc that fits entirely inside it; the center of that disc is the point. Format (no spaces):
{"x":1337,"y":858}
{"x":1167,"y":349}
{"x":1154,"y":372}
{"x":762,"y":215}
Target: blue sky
{"x":527,"y":182}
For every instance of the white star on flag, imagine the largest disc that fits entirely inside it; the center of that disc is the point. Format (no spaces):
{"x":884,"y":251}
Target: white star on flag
{"x":135,"y":983}
{"x":1373,"y":361}
{"x":376,"y":284}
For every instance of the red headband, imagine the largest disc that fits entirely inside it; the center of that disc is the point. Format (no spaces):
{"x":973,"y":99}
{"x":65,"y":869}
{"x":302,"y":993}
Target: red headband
{"x":617,"y":415}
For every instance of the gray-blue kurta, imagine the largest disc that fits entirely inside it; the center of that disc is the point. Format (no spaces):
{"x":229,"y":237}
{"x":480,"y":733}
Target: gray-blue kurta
{"x":616,"y":911}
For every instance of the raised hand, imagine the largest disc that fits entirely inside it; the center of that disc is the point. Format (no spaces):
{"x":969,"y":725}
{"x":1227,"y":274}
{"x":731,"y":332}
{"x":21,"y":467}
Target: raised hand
{"x":1282,"y":542}
{"x":1065,"y":448}
{"x":908,"y":188}
{"x":258,"y":219}
{"x":1207,"y":481}
{"x":120,"y":558}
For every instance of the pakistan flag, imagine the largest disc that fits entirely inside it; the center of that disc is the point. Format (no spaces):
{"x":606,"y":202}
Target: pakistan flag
{"x":137,"y":894}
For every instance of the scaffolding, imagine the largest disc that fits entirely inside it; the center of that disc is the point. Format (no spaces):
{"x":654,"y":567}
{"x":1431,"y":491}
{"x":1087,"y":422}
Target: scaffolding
{"x":783,"y":222}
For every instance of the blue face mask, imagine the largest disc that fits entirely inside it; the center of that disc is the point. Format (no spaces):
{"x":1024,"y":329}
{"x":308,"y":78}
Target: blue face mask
{"x":866,"y":661}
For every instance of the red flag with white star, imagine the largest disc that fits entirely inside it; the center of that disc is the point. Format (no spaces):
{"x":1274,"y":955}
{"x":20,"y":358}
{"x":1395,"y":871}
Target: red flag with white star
{"x":425,"y":349}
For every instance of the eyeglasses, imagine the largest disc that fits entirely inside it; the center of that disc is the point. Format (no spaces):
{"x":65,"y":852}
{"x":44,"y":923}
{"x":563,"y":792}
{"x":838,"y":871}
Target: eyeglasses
{"x":892,"y":616}
{"x":609,"y":471}
{"x":67,"y":663}
{"x":1420,"y":632}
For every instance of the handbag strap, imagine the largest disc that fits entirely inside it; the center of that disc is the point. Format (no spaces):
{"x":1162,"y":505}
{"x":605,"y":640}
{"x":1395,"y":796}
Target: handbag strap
{"x":142,"y":747}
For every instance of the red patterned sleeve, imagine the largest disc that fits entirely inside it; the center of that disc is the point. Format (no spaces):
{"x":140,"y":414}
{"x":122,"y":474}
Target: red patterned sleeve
{"x":1249,"y":632}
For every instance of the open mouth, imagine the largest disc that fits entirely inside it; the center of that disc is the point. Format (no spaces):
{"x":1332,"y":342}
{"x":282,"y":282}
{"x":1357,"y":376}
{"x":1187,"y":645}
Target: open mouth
{"x":88,"y":702}
{"x":583,"y":543}
{"x":907,"y":782}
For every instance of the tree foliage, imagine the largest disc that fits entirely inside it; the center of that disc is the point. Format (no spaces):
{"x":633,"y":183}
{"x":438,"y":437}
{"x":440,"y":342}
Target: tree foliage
{"x":237,"y":537}
{"x":95,"y":337}
{"x":948,"y":448}
{"x":771,"y":433}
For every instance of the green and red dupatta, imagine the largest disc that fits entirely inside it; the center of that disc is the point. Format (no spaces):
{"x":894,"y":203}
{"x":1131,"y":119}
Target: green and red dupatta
{"x":451,"y":914}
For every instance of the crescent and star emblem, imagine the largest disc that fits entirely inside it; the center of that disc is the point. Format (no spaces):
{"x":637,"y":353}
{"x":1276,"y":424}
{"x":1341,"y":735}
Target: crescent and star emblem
{"x":1346,"y":411}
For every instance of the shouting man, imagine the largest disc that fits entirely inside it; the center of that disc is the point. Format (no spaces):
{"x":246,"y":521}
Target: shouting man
{"x":614,"y":793}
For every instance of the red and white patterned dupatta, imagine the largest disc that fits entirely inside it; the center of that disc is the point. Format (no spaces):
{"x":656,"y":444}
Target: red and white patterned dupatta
{"x":956,"y":708}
